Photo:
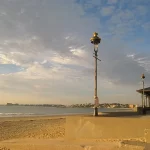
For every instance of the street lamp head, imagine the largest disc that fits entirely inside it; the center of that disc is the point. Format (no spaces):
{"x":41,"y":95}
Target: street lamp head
{"x":95,"y":40}
{"x":143,"y":76}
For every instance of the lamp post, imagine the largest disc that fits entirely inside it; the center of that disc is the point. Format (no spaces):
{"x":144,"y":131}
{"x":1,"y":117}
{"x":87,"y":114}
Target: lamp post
{"x":143,"y":103}
{"x":95,"y":40}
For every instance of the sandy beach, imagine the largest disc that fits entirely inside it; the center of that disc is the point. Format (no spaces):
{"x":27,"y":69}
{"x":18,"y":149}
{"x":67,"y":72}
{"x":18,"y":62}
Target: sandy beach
{"x":31,"y":128}
{"x":36,"y":133}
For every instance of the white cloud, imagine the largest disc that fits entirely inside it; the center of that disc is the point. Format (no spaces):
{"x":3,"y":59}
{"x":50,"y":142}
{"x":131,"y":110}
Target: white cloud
{"x":78,"y":52}
{"x":142,"y":61}
{"x":131,"y":56}
{"x":67,"y":37}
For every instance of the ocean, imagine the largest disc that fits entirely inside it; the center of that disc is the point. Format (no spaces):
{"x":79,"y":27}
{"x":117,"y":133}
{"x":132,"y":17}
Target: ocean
{"x":19,"y":111}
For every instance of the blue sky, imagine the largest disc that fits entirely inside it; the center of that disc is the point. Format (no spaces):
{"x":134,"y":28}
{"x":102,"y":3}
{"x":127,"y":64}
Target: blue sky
{"x":46,"y":54}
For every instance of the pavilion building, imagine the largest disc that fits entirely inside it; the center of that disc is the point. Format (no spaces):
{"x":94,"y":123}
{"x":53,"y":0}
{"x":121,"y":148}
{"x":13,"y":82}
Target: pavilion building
{"x":146,"y":101}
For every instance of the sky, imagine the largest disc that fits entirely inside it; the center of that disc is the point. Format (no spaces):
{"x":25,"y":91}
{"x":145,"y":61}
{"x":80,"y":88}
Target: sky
{"x":46,"y":55}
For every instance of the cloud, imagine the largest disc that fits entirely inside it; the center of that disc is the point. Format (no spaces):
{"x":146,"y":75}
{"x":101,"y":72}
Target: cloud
{"x":141,"y":61}
{"x":146,"y":26}
{"x":126,"y":19}
{"x":112,"y":1}
{"x":106,"y":11}
{"x":142,"y":9}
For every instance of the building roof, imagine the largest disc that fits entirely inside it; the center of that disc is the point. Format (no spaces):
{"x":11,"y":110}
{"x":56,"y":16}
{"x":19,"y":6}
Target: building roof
{"x":146,"y":91}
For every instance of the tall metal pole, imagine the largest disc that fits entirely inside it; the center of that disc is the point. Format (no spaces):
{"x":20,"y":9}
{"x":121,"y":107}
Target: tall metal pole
{"x":95,"y":40}
{"x":95,"y":93}
{"x":142,"y":99}
{"x":143,"y":102}
{"x":143,"y":95}
{"x":95,"y":74}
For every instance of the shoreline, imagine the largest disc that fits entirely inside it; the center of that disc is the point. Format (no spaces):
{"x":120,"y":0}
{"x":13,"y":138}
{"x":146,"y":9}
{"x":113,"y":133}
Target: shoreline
{"x":41,"y":117}
{"x":46,"y":115}
{"x":32,"y":114}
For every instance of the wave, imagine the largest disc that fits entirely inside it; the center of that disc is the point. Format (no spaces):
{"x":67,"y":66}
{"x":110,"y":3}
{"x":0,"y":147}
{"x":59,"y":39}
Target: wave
{"x":15,"y":114}
{"x":33,"y":114}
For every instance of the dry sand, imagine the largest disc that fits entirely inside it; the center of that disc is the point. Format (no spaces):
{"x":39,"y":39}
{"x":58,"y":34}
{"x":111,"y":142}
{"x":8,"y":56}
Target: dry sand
{"x":48,"y":133}
{"x":32,"y":128}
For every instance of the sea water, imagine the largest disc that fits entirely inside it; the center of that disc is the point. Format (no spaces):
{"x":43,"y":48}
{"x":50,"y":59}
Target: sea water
{"x":18,"y":111}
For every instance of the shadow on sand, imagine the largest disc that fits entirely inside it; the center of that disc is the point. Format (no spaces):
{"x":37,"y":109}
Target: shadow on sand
{"x":137,"y":143}
{"x":120,"y":114}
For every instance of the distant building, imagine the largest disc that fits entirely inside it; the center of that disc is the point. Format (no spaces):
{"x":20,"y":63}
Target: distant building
{"x":112,"y":106}
{"x":131,"y":106}
{"x":9,"y":104}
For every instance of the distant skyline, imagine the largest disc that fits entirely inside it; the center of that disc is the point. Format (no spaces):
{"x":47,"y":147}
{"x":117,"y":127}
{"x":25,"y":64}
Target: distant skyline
{"x":46,"y":55}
